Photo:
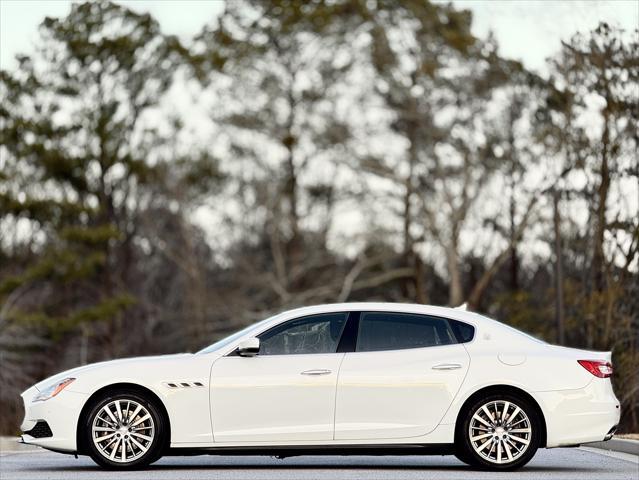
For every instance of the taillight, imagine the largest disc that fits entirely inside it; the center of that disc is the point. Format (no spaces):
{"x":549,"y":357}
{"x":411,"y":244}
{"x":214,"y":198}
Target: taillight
{"x":599,"y":368}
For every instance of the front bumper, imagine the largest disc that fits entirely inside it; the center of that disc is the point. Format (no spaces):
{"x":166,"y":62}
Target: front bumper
{"x":581,"y":415}
{"x":61,"y":413}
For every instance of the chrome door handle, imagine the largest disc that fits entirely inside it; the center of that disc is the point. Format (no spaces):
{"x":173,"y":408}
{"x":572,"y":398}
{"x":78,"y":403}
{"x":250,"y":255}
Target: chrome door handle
{"x":447,"y":366}
{"x":315,"y":372}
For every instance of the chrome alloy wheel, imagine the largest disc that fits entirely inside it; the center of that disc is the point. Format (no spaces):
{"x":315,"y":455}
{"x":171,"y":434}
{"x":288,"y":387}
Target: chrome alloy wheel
{"x":123,"y":430}
{"x":500,"y":431}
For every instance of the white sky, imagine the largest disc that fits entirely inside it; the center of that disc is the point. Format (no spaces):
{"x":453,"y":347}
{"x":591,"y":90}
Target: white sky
{"x":528,"y":30}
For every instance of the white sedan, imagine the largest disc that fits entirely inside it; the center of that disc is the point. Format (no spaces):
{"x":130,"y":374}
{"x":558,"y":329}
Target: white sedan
{"x":353,"y":378}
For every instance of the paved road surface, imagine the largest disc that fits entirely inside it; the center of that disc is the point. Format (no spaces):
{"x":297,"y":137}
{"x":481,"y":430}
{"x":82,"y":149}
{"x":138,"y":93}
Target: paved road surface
{"x":577,"y":464}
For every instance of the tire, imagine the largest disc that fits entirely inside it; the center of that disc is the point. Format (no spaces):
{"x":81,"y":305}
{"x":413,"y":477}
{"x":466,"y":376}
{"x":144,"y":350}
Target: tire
{"x":124,"y":429}
{"x":488,"y":439}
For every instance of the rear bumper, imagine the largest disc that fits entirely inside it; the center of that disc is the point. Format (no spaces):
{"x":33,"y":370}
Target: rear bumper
{"x":579,"y":416}
{"x":61,"y":414}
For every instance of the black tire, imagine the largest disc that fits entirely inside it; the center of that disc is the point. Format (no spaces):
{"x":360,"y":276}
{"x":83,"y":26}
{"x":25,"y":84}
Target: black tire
{"x":467,"y":453}
{"x":155,"y":447}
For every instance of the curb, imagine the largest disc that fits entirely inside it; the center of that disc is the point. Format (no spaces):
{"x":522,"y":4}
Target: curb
{"x":622,"y":445}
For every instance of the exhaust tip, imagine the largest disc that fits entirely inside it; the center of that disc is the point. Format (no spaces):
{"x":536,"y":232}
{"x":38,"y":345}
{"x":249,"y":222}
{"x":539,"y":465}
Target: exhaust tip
{"x":610,"y":433}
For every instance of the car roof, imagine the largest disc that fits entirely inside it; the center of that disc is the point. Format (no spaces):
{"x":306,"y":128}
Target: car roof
{"x":455,"y":313}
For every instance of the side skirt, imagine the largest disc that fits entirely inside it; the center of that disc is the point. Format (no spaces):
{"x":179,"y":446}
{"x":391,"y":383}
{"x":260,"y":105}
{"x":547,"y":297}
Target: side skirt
{"x":314,"y":450}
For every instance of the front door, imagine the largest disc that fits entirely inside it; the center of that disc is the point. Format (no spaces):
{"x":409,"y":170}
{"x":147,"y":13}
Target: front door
{"x":287,"y":391}
{"x":401,"y":379}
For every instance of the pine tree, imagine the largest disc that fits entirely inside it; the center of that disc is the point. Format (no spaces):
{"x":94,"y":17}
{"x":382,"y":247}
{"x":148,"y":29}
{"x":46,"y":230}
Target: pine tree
{"x":79,"y":159}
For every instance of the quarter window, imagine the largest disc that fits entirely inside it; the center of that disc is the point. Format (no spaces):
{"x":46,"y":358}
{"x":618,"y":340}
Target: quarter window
{"x":398,"y":331}
{"x":312,"y":334}
{"x":464,"y":332}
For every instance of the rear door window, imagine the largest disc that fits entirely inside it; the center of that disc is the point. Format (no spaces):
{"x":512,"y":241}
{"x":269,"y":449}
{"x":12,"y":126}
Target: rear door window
{"x":398,"y":331}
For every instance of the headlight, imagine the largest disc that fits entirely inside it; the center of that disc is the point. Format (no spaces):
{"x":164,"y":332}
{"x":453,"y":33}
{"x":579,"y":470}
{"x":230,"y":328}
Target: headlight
{"x":53,"y":390}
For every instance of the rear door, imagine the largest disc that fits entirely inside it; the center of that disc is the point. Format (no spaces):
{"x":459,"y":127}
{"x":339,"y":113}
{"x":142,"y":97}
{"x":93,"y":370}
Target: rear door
{"x":400,"y":380}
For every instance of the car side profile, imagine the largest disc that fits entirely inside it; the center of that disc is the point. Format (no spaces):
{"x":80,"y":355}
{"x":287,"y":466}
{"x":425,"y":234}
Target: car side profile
{"x":351,"y":378}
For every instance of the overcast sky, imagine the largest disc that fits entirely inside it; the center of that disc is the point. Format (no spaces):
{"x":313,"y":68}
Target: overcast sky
{"x":528,"y":30}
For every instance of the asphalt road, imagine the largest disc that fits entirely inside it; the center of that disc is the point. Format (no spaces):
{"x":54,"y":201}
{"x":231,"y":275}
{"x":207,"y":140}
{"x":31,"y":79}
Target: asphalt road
{"x":578,"y":464}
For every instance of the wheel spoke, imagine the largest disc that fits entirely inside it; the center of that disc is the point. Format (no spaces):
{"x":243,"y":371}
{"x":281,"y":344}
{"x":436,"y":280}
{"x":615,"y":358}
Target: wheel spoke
{"x":484,"y":445}
{"x":103,"y":429}
{"x":104,"y":437}
{"x":115,"y":449}
{"x":517,"y":449}
{"x":519,"y":430}
{"x":481,"y":420}
{"x":490,"y":416}
{"x":141,"y":419}
{"x":124,"y":442}
{"x":504,"y":413}
{"x":499,"y":452}
{"x":479,"y":437}
{"x":518,"y":422}
{"x":110,"y":414}
{"x":508,"y":450}
{"x":521,"y":440}
{"x":143,"y":437}
{"x":103,"y":449}
{"x":135,"y":412}
{"x":515,"y":413}
{"x":119,"y":411}
{"x":127,"y":410}
{"x":139,"y":445}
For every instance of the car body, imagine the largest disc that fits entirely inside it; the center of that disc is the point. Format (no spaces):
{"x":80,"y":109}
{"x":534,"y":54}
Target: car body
{"x":352,"y":377}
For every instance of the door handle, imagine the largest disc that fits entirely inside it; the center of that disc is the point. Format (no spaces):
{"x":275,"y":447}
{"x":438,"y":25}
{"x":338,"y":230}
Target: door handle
{"x":447,"y":366}
{"x":315,"y":372}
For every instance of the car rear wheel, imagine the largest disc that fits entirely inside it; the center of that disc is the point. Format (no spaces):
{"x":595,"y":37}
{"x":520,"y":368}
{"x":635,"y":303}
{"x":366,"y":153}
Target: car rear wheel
{"x":499,"y":432}
{"x":124,"y":430}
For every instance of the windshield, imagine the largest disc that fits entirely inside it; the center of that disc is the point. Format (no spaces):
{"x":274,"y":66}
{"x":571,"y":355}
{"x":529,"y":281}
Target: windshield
{"x":231,"y":338}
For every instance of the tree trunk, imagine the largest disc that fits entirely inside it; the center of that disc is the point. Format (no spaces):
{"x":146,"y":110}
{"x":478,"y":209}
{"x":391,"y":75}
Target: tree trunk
{"x":559,"y":274}
{"x":294,"y":245}
{"x":411,"y":258}
{"x":514,"y":258}
{"x":455,"y":292}
{"x":598,"y":261}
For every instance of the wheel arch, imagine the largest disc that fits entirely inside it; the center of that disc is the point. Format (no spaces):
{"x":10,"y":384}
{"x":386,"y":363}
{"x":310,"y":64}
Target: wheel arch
{"x":497,"y":389}
{"x":81,"y":447}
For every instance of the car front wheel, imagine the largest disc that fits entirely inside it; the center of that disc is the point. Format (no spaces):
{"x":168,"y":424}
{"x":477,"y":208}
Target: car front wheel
{"x":499,"y":432}
{"x":124,"y":430}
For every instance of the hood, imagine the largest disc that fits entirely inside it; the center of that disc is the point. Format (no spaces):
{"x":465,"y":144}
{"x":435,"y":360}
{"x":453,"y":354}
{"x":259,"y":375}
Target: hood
{"x":87,"y":369}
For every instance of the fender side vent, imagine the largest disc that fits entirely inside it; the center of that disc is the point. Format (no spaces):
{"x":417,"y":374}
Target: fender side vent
{"x":174,"y":385}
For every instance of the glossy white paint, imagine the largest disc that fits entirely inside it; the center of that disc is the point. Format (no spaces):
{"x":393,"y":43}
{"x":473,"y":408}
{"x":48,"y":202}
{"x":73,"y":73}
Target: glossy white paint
{"x":280,"y":397}
{"x":366,"y":398}
{"x":405,"y":392}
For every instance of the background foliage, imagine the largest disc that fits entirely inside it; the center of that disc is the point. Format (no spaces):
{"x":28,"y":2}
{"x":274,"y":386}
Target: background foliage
{"x":348,"y":150}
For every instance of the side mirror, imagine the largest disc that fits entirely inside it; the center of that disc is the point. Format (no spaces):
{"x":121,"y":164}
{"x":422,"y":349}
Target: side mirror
{"x":249,"y":347}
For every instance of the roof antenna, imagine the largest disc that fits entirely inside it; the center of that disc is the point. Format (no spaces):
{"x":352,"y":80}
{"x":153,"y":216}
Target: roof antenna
{"x":463,"y":306}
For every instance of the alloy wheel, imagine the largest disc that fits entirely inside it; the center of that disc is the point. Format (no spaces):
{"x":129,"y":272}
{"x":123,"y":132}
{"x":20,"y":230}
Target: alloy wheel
{"x":123,"y":430}
{"x":500,"y":431}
